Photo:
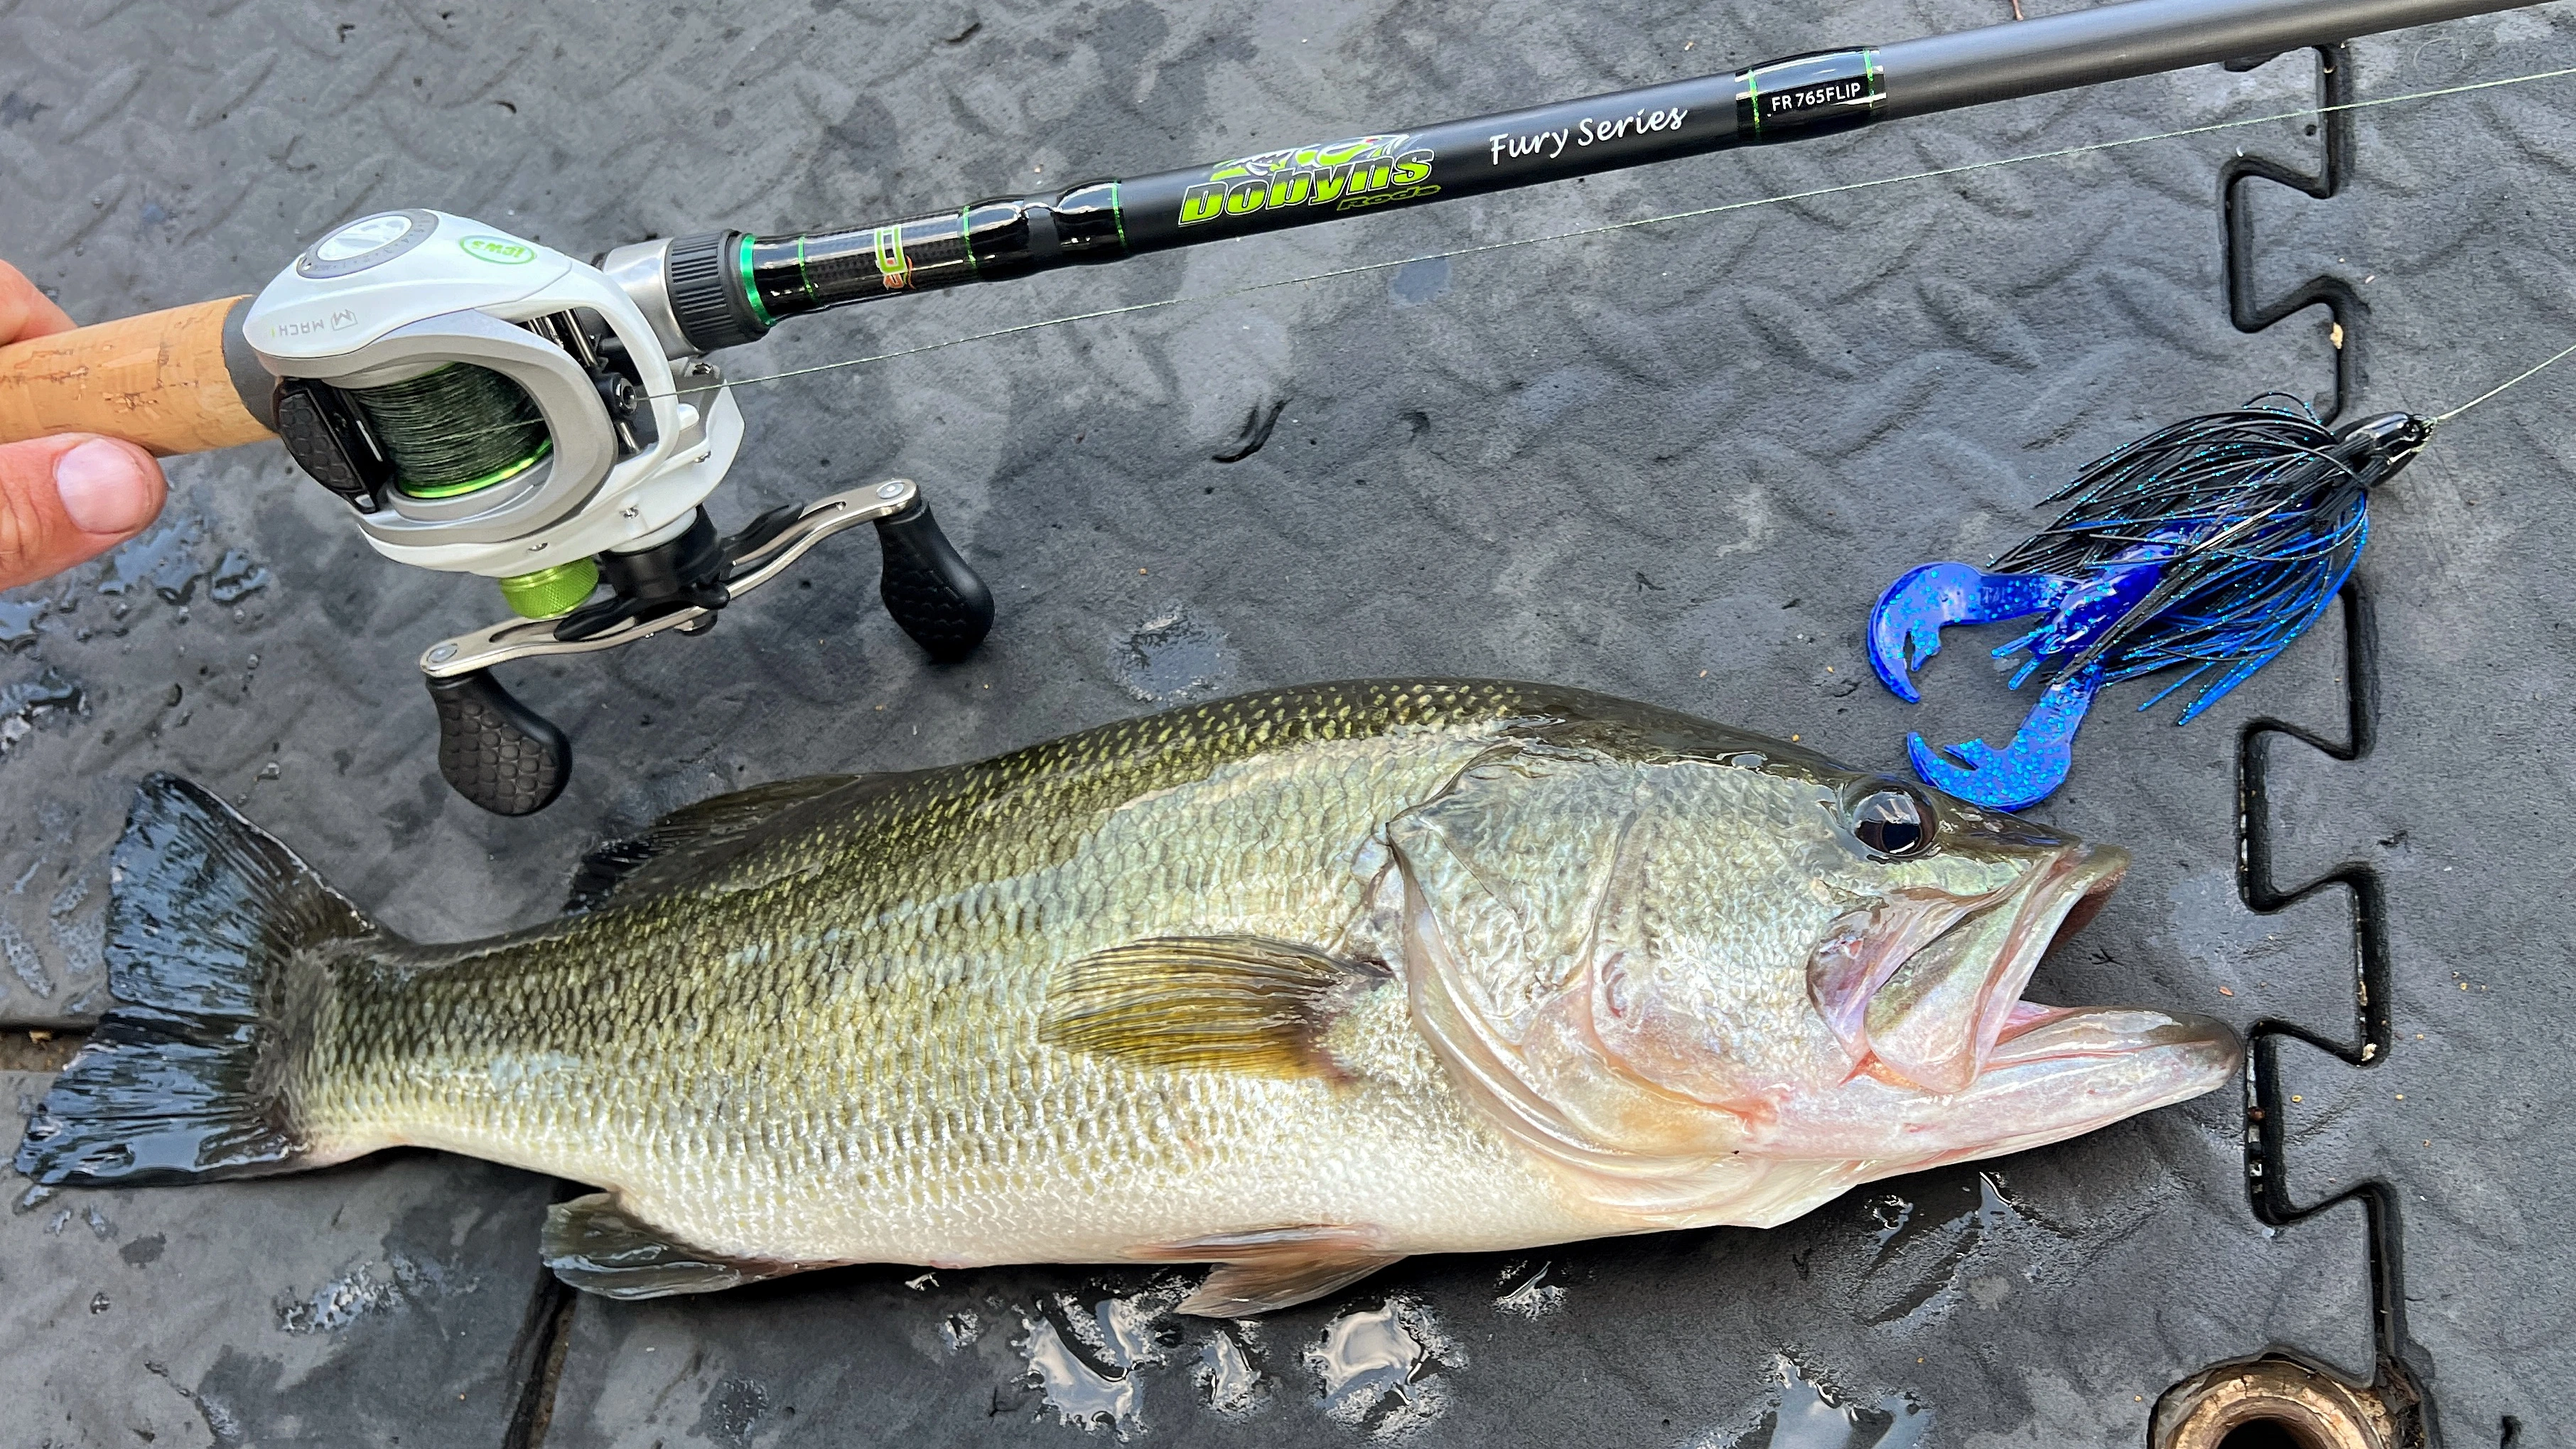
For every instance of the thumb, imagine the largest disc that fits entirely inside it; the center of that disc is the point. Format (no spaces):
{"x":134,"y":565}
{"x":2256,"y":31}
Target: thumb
{"x":67,"y":499}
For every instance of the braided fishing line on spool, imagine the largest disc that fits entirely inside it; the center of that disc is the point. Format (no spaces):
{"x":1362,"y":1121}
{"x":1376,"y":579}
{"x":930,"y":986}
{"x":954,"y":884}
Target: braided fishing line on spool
{"x":456,"y":429}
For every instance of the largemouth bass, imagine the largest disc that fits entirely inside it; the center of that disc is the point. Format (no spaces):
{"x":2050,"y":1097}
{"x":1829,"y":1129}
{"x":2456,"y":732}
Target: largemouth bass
{"x":1296,"y":984}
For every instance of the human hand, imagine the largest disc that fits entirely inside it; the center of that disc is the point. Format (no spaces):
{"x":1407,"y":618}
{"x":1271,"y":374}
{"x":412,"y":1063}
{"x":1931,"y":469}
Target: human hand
{"x":67,"y":498}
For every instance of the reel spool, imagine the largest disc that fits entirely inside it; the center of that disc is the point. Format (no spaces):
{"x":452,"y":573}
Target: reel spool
{"x":488,"y":405}
{"x":455,"y":429}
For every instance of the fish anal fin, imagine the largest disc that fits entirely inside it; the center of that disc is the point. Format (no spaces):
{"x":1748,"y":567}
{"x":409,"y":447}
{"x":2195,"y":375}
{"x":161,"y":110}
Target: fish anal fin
{"x":689,"y":841}
{"x":599,"y":1247}
{"x":1231,"y":1003}
{"x":1273,"y":1267}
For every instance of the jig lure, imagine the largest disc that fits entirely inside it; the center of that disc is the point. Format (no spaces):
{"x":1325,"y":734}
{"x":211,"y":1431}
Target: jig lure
{"x":2201,"y":551}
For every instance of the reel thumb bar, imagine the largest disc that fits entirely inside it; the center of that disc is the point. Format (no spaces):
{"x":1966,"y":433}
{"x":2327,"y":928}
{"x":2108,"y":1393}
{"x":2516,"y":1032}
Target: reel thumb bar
{"x":729,"y":287}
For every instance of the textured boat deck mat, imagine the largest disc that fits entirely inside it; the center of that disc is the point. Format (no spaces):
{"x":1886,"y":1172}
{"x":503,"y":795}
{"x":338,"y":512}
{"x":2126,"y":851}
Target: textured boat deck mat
{"x":1674,"y":462}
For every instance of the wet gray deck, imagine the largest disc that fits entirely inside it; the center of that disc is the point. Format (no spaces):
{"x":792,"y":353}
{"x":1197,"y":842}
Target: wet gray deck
{"x":1674,"y":463}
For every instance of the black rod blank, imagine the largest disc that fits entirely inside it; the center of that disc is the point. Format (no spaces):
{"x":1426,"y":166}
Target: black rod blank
{"x":757,"y":280}
{"x":2144,"y":37}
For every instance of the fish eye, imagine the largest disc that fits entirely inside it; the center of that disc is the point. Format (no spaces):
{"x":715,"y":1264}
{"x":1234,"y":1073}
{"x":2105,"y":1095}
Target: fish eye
{"x":1894,"y":822}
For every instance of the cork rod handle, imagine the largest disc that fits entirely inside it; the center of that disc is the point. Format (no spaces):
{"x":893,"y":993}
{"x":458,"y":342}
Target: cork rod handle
{"x":179,"y":381}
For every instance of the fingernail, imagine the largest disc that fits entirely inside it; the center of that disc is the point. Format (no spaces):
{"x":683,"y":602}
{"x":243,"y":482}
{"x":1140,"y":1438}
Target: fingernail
{"x":103,"y":488}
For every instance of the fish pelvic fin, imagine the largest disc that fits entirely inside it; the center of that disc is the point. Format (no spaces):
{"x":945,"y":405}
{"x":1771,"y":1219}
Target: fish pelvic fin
{"x":1224,"y":1003}
{"x":599,"y":1247}
{"x":1273,"y":1267}
{"x":691,"y":844}
{"x":214,"y":937}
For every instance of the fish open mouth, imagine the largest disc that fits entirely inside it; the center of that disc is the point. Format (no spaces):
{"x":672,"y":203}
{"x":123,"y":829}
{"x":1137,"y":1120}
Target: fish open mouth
{"x":1930,"y":1017}
{"x":2056,"y":907}
{"x":1952,"y":1062}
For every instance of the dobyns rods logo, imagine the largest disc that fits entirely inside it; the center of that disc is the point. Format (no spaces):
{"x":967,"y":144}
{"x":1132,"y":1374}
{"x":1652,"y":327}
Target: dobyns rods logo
{"x":1362,"y":171}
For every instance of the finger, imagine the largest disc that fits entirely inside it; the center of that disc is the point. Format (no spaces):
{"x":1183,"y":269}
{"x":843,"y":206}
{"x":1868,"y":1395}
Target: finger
{"x":26,"y":312}
{"x":70,"y":498}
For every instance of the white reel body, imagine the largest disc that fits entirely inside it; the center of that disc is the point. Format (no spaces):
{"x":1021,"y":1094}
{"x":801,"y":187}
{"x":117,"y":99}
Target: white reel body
{"x":395,"y":296}
{"x":491,"y":406}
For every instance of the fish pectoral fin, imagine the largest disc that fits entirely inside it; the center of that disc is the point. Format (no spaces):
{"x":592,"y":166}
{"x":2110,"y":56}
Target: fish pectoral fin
{"x":690,"y":841}
{"x":599,"y":1247}
{"x":1273,"y":1268}
{"x":1229,"y":1003}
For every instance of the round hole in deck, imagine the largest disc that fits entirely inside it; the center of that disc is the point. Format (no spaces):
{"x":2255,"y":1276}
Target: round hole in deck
{"x":2267,"y":1433}
{"x":2272,"y":1402}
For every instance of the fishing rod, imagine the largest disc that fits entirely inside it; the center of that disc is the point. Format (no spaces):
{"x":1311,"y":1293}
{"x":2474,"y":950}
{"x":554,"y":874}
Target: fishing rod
{"x":489,"y":405}
{"x":726,"y":288}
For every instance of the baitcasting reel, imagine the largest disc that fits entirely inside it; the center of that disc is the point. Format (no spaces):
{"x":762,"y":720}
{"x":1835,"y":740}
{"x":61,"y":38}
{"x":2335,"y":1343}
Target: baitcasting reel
{"x":487,"y":405}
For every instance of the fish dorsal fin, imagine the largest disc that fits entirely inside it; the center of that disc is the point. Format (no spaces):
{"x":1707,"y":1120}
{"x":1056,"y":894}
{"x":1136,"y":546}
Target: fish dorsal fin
{"x":1273,"y":1267}
{"x":689,"y":840}
{"x":1232,"y":1003}
{"x":599,"y":1247}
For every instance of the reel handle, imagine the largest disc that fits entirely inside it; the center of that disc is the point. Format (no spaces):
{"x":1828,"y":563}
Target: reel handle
{"x":929,"y":589}
{"x":180,"y":381}
{"x":495,"y":751}
{"x":508,"y":759}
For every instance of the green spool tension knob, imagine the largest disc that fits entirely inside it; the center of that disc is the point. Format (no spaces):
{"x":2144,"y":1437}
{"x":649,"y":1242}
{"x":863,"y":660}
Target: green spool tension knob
{"x":550,"y":593}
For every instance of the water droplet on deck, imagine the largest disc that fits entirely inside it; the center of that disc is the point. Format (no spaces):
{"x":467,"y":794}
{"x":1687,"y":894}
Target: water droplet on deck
{"x":1806,"y":1414}
{"x":31,"y":703}
{"x":732,"y":1412}
{"x":1172,"y":655}
{"x":237,"y":578}
{"x":1948,"y":1244}
{"x":1378,"y":1368}
{"x":165,"y":559}
{"x":1419,"y":281}
{"x":1099,"y":1387}
{"x":24,"y":962}
{"x":18,"y":622}
{"x":1079,"y":1394}
{"x":1228,"y":1383}
{"x":68,"y":899}
{"x":366,"y":1288}
{"x":1534,"y":1297}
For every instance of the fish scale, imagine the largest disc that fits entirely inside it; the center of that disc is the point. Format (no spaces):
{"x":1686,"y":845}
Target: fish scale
{"x":886,"y":1084}
{"x":1297,"y":983}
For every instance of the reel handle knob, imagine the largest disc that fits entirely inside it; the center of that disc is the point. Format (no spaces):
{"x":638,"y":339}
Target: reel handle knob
{"x":495,"y":751}
{"x":928,"y":589}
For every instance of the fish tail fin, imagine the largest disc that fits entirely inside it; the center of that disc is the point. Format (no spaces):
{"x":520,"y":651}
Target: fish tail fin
{"x":211,"y":929}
